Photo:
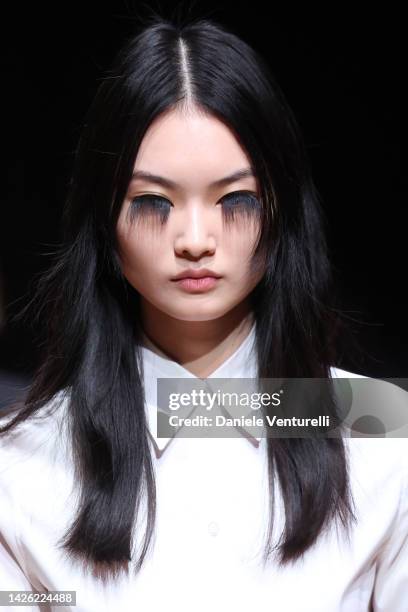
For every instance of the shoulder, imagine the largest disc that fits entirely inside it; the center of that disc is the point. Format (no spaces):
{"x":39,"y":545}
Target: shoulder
{"x":36,"y":479}
{"x":340,"y":373}
{"x":380,"y":460}
{"x":374,"y":405}
{"x":28,"y":451}
{"x":378,"y":473}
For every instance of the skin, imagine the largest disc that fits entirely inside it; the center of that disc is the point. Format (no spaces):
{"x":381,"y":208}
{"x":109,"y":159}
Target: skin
{"x":198,"y":330}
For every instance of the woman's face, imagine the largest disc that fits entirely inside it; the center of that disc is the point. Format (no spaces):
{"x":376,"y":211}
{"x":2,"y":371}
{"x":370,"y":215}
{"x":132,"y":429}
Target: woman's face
{"x":193,"y":151}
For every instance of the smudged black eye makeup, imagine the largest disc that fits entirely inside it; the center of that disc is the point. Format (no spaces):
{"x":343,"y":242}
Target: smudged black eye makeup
{"x":149,"y":207}
{"x":238,"y":203}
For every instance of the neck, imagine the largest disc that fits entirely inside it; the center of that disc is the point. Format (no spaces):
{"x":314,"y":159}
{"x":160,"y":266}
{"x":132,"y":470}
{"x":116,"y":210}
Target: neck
{"x":199,"y":346}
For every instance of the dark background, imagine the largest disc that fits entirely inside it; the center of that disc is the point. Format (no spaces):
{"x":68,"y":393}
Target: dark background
{"x":343,"y":74}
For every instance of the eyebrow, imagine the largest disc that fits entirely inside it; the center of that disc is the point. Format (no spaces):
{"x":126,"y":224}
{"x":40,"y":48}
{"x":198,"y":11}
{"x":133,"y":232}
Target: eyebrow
{"x":165,"y":182}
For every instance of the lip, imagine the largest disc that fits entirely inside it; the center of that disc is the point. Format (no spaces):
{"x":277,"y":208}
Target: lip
{"x":195,"y":274}
{"x":197,"y":285}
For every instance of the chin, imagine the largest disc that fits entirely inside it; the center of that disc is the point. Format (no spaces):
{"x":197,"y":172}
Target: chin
{"x":199,"y":313}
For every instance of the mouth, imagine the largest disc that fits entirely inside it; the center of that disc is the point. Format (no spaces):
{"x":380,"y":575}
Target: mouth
{"x":201,"y":284}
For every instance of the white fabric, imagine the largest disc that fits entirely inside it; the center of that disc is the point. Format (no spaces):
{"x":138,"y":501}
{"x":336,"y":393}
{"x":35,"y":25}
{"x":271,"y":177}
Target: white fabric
{"x":212,"y":510}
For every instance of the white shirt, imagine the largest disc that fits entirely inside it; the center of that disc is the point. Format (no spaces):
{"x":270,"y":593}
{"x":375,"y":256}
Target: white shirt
{"x":212,"y":510}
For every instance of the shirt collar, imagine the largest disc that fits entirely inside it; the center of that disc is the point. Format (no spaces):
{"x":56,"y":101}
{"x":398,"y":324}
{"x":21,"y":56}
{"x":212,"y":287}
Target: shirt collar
{"x":241,"y":364}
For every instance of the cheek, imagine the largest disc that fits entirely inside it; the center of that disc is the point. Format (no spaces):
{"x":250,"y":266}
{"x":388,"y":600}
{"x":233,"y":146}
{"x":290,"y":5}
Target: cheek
{"x":240,"y":244}
{"x":138,"y":254}
{"x":137,"y":243}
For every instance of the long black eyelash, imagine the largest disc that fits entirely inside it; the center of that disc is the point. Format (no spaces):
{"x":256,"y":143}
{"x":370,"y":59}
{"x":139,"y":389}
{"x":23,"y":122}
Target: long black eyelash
{"x":146,"y":206}
{"x":238,"y":202}
{"x":242,"y":204}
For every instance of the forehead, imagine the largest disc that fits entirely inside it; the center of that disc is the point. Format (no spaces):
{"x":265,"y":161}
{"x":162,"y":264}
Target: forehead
{"x":191,"y":149}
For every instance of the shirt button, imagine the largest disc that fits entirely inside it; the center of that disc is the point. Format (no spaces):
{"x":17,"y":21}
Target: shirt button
{"x":213,"y":528}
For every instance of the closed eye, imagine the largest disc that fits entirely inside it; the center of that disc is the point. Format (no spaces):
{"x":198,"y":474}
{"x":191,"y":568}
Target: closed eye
{"x":240,"y":197}
{"x":233,"y":198}
{"x":150,"y":199}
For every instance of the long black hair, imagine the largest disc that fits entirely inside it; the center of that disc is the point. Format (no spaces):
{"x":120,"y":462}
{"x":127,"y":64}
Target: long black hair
{"x":90,"y":313}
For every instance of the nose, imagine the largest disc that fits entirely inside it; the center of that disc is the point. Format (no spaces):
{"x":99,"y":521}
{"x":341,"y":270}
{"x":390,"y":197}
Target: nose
{"x":196,"y":235}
